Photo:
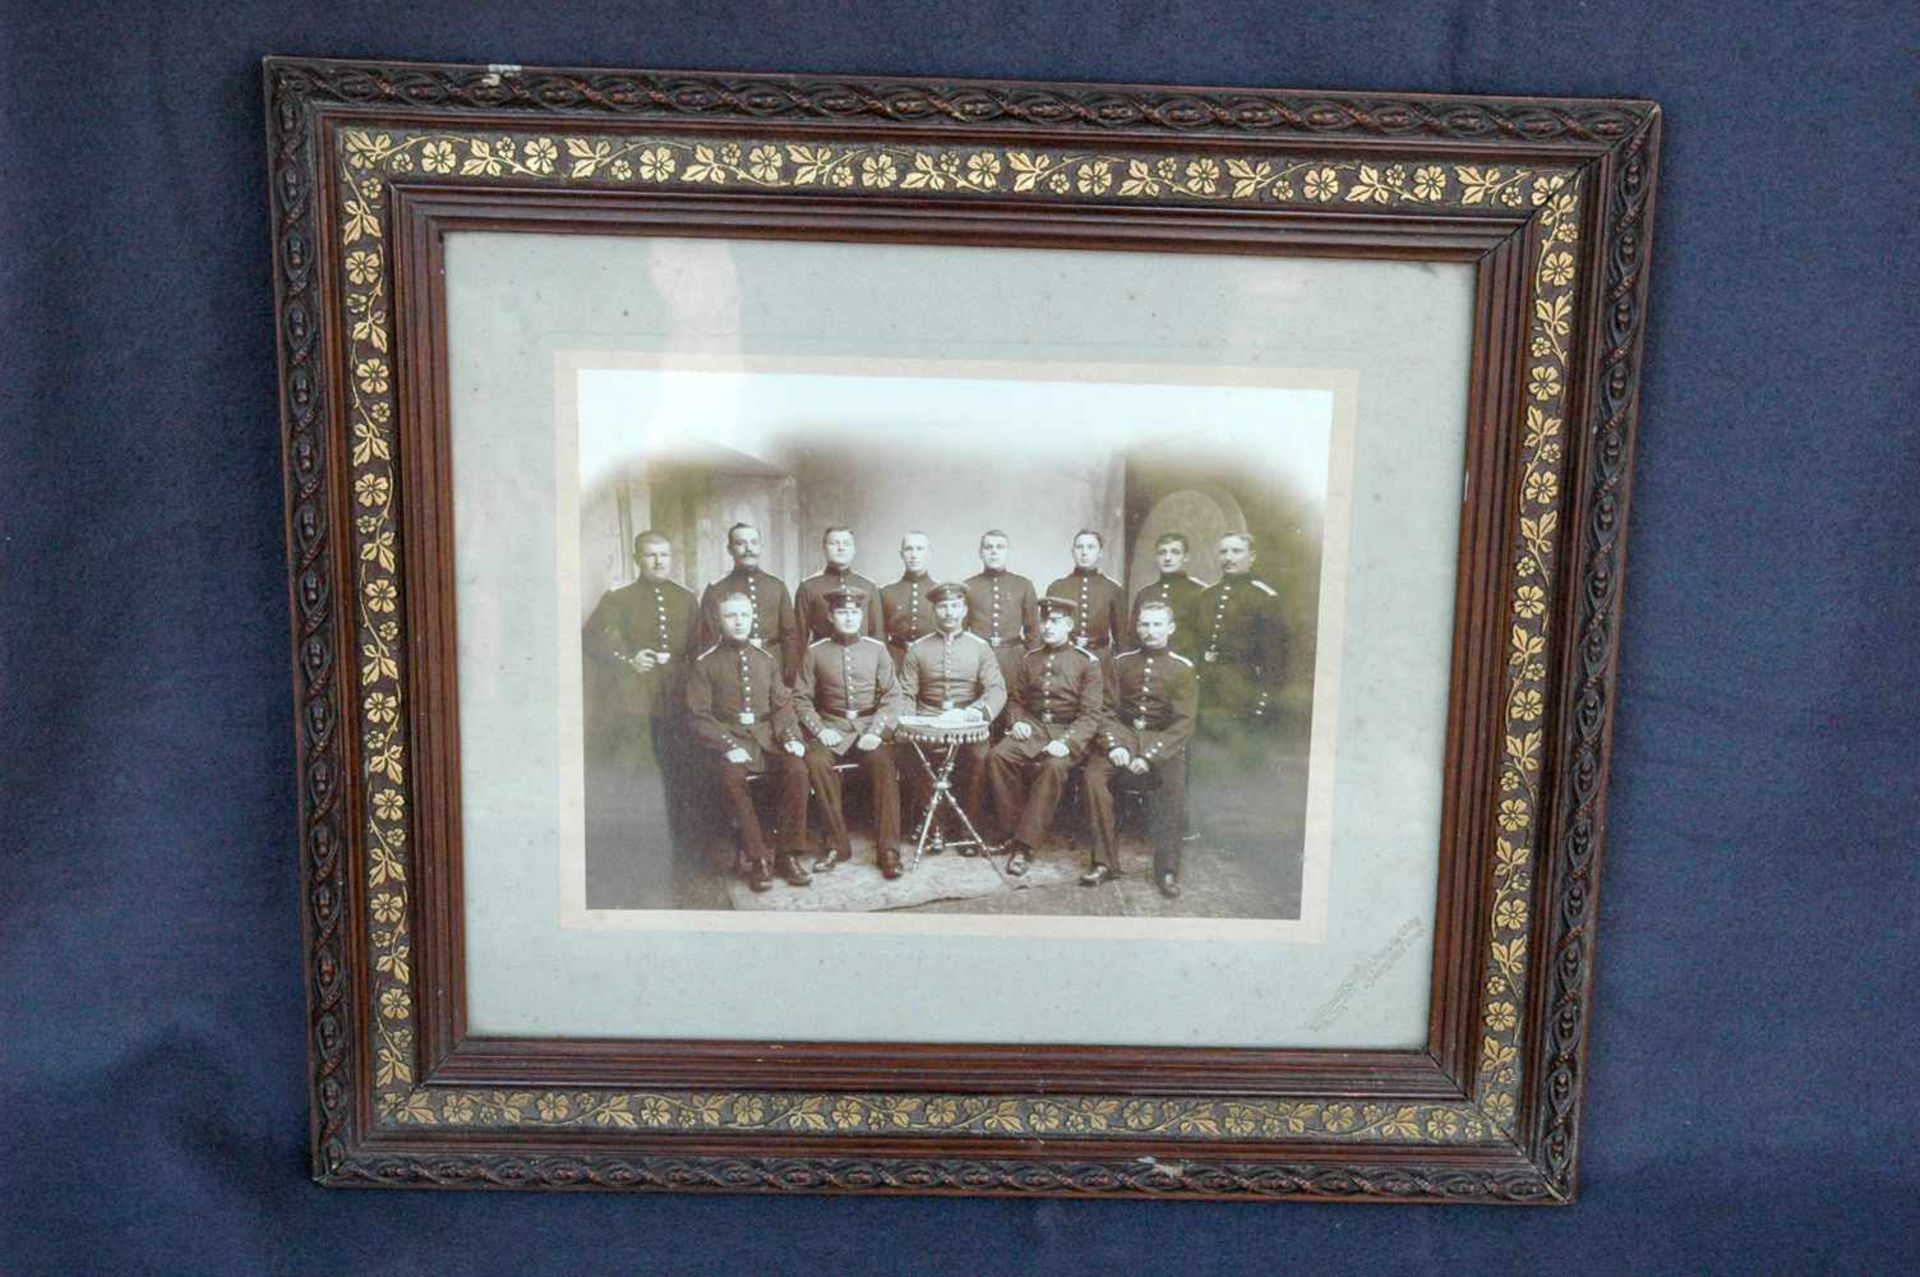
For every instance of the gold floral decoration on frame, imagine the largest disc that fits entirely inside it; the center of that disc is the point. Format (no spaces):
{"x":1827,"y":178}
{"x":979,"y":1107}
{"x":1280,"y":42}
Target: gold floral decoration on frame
{"x":366,"y":159}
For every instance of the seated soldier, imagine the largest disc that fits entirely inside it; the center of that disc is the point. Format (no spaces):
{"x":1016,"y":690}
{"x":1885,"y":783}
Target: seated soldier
{"x":849,"y":698}
{"x":1053,"y":712}
{"x":953,"y":672}
{"x":741,"y":716}
{"x":1151,"y":692}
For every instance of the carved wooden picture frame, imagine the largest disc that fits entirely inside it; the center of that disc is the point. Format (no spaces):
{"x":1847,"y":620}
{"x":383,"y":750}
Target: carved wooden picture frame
{"x":1551,"y":204}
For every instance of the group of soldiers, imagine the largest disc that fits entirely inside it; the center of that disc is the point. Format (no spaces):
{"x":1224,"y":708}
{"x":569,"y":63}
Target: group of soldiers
{"x":751,"y":679}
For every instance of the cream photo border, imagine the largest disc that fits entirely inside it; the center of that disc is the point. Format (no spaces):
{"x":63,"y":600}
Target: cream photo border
{"x":1308,"y":928}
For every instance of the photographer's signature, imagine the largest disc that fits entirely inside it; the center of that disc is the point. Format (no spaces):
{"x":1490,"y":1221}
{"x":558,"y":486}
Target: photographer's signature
{"x":1367,"y":972}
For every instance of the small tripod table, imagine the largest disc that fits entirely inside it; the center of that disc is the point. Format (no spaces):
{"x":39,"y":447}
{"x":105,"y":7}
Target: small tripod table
{"x":944,"y":737}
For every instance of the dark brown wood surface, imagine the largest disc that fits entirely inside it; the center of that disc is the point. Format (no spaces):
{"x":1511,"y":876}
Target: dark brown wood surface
{"x":1611,"y":144}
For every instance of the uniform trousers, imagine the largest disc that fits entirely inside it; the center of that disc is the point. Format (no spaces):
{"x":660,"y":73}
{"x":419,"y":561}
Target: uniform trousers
{"x":1165,"y":783}
{"x":672,"y":756}
{"x":1025,"y":783}
{"x":792,"y":774}
{"x":882,"y":781}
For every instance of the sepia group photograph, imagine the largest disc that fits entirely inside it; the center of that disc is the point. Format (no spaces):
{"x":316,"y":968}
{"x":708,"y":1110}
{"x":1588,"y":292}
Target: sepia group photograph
{"x":932,"y":637}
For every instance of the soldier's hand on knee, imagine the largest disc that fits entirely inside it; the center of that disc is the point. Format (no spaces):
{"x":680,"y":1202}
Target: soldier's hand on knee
{"x":1021,"y":731}
{"x":795,"y":748}
{"x":868,"y":742}
{"x":1138,"y":766}
{"x":1119,"y":756}
{"x":1057,"y":748}
{"x":739,"y":757}
{"x":830,"y":737}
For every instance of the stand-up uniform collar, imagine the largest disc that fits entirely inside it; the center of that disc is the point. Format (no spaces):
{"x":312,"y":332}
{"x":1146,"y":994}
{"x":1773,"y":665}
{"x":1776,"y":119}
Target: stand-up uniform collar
{"x":1080,"y":571}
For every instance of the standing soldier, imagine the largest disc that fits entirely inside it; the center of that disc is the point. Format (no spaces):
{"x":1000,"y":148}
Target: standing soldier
{"x":774,"y":627}
{"x":810,"y":604}
{"x":1236,"y":750}
{"x":1244,"y":648}
{"x":906,"y":611}
{"x":1102,"y":600}
{"x":637,"y":643}
{"x":849,"y":698}
{"x":1151,"y":697}
{"x":954,"y":672}
{"x":1053,"y":711}
{"x":1000,"y":606}
{"x":1177,"y":590}
{"x":740,"y":714}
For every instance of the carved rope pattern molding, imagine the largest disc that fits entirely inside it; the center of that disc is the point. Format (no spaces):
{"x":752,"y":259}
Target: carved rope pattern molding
{"x":1147,"y":1176}
{"x":1615,"y":416}
{"x":310,"y":550}
{"x":296,"y":169}
{"x":1051,"y":106}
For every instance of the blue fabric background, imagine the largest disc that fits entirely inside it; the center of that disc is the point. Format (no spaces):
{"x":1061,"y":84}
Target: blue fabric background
{"x":1747,"y":1109}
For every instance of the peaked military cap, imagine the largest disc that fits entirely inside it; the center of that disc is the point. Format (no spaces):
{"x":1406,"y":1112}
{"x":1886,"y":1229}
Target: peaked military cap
{"x":946,"y":590}
{"x":846,"y":596}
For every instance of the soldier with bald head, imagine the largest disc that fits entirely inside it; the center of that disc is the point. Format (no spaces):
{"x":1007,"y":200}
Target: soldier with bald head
{"x":906,"y":611}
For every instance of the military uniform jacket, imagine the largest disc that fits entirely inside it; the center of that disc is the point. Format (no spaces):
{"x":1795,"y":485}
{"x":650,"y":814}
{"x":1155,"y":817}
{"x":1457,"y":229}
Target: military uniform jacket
{"x":1243,"y":644}
{"x":1002,"y":608}
{"x":850,"y":686}
{"x":1061,"y":693}
{"x":815,"y":617}
{"x":905,"y":614}
{"x":1151,"y":700}
{"x":957,"y":672}
{"x":1181,"y":593}
{"x":737,"y":700}
{"x":774,"y":627}
{"x":652,"y":616}
{"x":1102,"y":623}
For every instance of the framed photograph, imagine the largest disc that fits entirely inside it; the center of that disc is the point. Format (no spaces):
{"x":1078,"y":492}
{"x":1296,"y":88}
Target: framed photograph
{"x":897,"y":636}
